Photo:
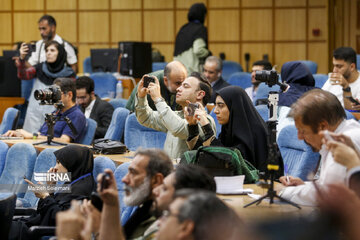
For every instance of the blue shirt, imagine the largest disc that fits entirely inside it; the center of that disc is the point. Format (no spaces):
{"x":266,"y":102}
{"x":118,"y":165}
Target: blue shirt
{"x":62,"y":128}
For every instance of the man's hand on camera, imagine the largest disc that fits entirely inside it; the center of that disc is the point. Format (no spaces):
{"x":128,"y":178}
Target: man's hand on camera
{"x":24,"y":50}
{"x":141,"y":91}
{"x":109,"y":195}
{"x":154,"y":89}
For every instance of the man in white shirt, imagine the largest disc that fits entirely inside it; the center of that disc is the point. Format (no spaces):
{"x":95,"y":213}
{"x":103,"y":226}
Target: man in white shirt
{"x":344,"y":80}
{"x":47,"y":28}
{"x":318,"y":110}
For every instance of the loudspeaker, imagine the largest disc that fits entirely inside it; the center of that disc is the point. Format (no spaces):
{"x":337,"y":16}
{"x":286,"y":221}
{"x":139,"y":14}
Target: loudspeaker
{"x":135,"y":58}
{"x":10,"y":85}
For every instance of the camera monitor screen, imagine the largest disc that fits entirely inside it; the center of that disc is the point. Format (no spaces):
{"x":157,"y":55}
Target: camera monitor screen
{"x":104,"y":60}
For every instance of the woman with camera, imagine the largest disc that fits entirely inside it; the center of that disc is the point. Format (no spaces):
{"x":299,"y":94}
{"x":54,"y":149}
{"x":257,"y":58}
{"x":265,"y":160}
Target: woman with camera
{"x":242,"y":127}
{"x":45,"y":74}
{"x":72,"y":159}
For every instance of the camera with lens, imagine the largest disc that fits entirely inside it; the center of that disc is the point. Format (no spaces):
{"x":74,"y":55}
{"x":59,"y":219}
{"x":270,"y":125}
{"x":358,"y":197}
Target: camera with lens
{"x":48,"y":96}
{"x":270,"y":77}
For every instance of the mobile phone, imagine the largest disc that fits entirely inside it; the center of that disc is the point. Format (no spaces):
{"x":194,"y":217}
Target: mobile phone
{"x":32,"y":48}
{"x":351,"y":99}
{"x":191,"y":108}
{"x":104,"y":181}
{"x":96,"y":201}
{"x":148,"y":80}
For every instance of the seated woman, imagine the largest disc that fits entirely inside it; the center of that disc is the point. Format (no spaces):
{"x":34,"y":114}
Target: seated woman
{"x":73,"y":159}
{"x":242,"y":126}
{"x":45,"y":74}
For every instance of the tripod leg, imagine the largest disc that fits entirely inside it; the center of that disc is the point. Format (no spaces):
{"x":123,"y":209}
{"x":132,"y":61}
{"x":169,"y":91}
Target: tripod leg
{"x":257,"y":201}
{"x":288,"y":201}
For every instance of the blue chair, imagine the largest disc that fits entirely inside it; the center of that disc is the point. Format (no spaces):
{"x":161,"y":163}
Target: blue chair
{"x":311,"y":65}
{"x":9,"y":120}
{"x":263,"y":93}
{"x":7,"y":210}
{"x":241,"y":79}
{"x":118,"y":102}
{"x":263,"y":110}
{"x":230,"y":67}
{"x":217,"y":124}
{"x":298,"y":156}
{"x":349,"y":115}
{"x":100,"y":164}
{"x":105,"y":84}
{"x":136,"y":135}
{"x":126,"y":211}
{"x":20,"y":161}
{"x":117,"y":124}
{"x":89,"y":133}
{"x":156,"y":66}
{"x":87,"y":65}
{"x":320,"y":80}
{"x":358,"y":61}
{"x":3,"y":151}
{"x":44,"y":161}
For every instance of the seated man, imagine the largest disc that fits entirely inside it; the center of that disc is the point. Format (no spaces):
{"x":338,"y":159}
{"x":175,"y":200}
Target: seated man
{"x":62,"y":131}
{"x":212,"y":71}
{"x":195,"y":89}
{"x":92,"y":105}
{"x":257,"y":66}
{"x":315,"y":111}
{"x":170,"y":79}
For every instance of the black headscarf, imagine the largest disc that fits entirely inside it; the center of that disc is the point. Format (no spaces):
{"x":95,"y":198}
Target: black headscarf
{"x":193,"y":30}
{"x":61,"y":57}
{"x":298,"y":76}
{"x":246,"y":130}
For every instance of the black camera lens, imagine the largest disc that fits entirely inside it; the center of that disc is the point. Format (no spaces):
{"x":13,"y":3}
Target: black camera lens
{"x":50,"y":95}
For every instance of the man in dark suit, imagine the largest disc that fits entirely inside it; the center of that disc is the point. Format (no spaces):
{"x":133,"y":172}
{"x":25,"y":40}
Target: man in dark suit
{"x":212,"y":71}
{"x":92,"y":106}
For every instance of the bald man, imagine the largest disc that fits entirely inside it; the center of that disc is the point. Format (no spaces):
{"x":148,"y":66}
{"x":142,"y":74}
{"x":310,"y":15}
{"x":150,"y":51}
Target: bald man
{"x":170,"y":79}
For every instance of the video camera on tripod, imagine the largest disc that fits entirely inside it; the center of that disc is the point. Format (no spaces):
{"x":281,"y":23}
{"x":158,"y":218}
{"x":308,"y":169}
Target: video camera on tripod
{"x":49,"y":96}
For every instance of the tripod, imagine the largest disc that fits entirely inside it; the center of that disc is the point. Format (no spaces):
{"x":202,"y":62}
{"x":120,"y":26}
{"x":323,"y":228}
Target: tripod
{"x":273,"y":164}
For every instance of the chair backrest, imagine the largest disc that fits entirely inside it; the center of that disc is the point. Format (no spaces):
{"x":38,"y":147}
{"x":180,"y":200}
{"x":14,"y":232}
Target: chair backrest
{"x":44,"y":161}
{"x":311,"y":65}
{"x":241,"y":79}
{"x":20,"y":160}
{"x":156,"y":66}
{"x":100,"y":164}
{"x":89,"y":133}
{"x":7,"y":210}
{"x":87,"y":65}
{"x":117,"y":124}
{"x":118,"y":102}
{"x":263,"y":92}
{"x":358,"y":61}
{"x":349,"y":115}
{"x":136,"y":135}
{"x":3,"y":151}
{"x":263,"y":110}
{"x":217,"y":124}
{"x":105,"y":84}
{"x":298,"y":156}
{"x":9,"y":120}
{"x":320,"y":80}
{"x":230,"y":67}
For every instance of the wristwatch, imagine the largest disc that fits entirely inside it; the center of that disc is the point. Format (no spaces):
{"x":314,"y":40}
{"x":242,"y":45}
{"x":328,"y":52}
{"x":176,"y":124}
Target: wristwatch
{"x":348,"y":89}
{"x":159,"y":99}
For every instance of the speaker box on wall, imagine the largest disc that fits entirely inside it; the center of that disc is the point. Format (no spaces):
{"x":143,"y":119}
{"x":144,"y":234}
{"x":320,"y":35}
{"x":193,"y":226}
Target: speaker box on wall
{"x":135,"y":58}
{"x":10,"y":85}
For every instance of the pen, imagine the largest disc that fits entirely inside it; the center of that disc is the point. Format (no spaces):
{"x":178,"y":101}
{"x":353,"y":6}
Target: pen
{"x":286,"y":174}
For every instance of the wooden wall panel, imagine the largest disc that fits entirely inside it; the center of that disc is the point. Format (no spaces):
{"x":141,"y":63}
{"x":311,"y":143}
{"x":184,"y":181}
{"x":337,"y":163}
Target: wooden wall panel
{"x":5,"y":26}
{"x":93,"y":4}
{"x":318,"y":20}
{"x":317,"y":3}
{"x":181,"y":19}
{"x":256,"y":3}
{"x":164,"y":22}
{"x":65,"y":25}
{"x":94,"y":27}
{"x":4,"y":47}
{"x":126,"y":4}
{"x":165,"y":49}
{"x":60,"y":5}
{"x":187,"y":3}
{"x":159,"y":4}
{"x":28,"y":5}
{"x":223,"y":3}
{"x":285,"y":52}
{"x":125,"y":26}
{"x":318,"y":52}
{"x":260,"y":28}
{"x":290,"y":3}
{"x":231,"y":50}
{"x":26,"y":26}
{"x":5,"y":5}
{"x":256,"y":50}
{"x":290,"y":24}
{"x":224,"y":25}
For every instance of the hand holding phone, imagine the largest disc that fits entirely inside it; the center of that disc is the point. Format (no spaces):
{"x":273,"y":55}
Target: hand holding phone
{"x":351,"y":99}
{"x":191,"y":108}
{"x":104,"y":181}
{"x":148,"y":80}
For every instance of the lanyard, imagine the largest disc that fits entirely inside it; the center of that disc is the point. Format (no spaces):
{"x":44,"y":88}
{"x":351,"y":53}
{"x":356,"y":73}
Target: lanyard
{"x":83,"y":176}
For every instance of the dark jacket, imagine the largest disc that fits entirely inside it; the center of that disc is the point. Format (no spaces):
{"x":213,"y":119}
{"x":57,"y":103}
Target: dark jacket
{"x":221,"y":83}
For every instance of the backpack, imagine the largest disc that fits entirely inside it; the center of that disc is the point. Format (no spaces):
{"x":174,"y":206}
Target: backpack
{"x":221,"y":161}
{"x":108,"y":146}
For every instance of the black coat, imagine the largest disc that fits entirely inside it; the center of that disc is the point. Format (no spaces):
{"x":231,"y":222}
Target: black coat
{"x":221,"y":83}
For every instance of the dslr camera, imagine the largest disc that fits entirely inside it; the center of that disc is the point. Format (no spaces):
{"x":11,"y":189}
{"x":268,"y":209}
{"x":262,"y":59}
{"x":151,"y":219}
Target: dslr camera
{"x":270,"y":77}
{"x":49,"y":96}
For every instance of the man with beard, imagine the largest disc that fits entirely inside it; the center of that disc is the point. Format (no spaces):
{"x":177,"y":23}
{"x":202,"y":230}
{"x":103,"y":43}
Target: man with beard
{"x":47,"y":28}
{"x":257,"y":66}
{"x":318,"y":110}
{"x":169,"y":79}
{"x":146,"y":172}
{"x":344,"y":80}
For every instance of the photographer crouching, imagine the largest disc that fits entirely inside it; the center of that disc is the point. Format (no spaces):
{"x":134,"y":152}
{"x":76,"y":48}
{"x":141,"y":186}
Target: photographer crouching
{"x":63,"y":96}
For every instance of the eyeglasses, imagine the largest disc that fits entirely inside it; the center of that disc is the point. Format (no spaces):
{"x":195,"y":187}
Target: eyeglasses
{"x":167,"y":213}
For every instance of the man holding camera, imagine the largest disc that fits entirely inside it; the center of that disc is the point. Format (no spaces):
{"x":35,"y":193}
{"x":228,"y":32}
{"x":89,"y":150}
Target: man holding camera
{"x":66,"y":107}
{"x":195,"y":89}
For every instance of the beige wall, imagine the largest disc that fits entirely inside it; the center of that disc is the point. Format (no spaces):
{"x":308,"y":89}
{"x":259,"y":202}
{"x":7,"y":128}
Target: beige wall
{"x":280,"y":28}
